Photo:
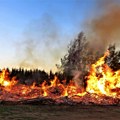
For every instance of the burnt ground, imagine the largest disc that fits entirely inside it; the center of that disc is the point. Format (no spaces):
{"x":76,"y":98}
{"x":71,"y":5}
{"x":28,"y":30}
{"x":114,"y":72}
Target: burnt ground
{"x":60,"y":112}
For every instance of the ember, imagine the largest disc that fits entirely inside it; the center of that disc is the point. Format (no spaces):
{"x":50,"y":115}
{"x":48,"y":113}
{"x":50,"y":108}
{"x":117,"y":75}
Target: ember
{"x":103,"y":87}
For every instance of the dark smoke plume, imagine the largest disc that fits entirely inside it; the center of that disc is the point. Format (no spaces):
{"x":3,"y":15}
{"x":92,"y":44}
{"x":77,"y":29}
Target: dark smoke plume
{"x":102,"y":30}
{"x":104,"y":27}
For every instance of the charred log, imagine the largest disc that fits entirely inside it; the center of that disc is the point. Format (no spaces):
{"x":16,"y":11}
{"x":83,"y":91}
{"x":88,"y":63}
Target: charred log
{"x":88,"y":99}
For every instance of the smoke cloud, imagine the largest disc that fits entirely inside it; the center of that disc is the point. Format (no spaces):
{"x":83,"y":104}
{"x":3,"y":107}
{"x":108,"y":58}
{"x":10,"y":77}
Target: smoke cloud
{"x":44,"y":42}
{"x":42,"y":45}
{"x":102,"y":30}
{"x":104,"y":27}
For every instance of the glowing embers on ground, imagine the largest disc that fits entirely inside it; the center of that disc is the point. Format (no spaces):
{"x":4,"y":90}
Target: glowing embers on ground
{"x":12,"y":90}
{"x":102,"y":83}
{"x":57,"y":89}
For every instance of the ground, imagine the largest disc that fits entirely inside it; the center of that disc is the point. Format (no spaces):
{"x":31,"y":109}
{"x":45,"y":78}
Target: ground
{"x":46,"y":112}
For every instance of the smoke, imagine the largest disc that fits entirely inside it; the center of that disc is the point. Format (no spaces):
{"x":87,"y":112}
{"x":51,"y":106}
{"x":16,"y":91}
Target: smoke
{"x":28,"y":58}
{"x":104,"y":27}
{"x":102,"y":30}
{"x":42,"y":45}
{"x":77,"y":80}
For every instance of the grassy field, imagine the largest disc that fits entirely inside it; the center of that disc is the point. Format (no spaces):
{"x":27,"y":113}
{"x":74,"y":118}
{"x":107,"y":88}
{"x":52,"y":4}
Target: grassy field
{"x":45,"y":112}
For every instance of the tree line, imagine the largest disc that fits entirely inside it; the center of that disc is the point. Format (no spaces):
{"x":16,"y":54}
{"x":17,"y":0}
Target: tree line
{"x":79,"y":57}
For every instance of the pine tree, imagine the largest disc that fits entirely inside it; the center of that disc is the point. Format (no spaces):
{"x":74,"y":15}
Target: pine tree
{"x":79,"y":57}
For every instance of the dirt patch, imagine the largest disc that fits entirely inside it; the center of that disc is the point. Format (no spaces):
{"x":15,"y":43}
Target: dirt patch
{"x":45,"y":112}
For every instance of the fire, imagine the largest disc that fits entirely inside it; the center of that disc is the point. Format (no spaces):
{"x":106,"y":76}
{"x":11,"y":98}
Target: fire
{"x":57,"y":89}
{"x":6,"y":83}
{"x":4,"y":79}
{"x":101,"y":81}
{"x":18,"y":91}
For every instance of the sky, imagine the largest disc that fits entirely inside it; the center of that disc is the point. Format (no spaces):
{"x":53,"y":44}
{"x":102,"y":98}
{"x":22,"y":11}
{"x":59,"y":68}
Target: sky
{"x":24,"y":20}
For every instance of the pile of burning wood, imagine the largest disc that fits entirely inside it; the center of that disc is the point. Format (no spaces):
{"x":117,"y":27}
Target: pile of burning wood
{"x":102,"y":87}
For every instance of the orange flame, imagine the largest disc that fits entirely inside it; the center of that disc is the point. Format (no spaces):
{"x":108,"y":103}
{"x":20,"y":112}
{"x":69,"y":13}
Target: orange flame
{"x":4,"y":79}
{"x":57,"y":89}
{"x":101,"y":81}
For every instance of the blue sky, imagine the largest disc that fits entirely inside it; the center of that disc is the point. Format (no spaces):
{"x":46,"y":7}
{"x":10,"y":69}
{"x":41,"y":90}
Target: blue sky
{"x":20,"y":17}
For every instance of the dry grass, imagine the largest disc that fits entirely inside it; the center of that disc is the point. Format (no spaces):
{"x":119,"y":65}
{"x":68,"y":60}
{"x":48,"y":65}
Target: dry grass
{"x":45,"y":112}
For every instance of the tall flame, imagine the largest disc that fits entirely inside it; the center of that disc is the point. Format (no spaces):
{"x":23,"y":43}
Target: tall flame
{"x":102,"y":80}
{"x":5,"y":80}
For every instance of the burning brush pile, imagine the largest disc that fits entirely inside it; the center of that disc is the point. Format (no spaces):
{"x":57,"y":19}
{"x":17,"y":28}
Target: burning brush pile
{"x":98,"y":77}
{"x":102,"y":87}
